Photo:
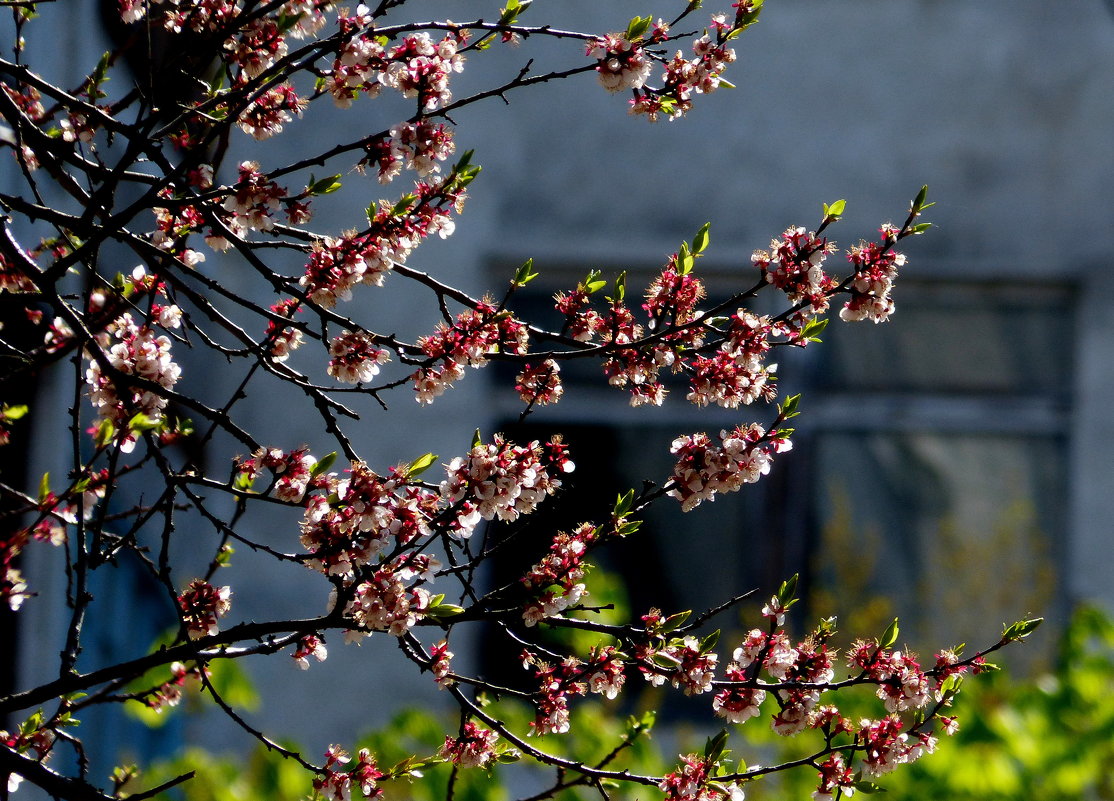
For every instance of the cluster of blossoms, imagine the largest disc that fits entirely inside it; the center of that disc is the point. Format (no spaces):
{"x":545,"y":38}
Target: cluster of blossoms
{"x":795,"y":265}
{"x":556,"y":683}
{"x":292,"y":470}
{"x":383,"y":602}
{"x":503,"y":480}
{"x":692,"y":782}
{"x":416,"y":67}
{"x":336,"y":784}
{"x":474,"y":335}
{"x":369,"y":514}
{"x":354,"y":358}
{"x":687,"y":665}
{"x":540,"y":384}
{"x":337,"y":264}
{"x":623,"y":64}
{"x":875,"y":270}
{"x":201,"y":605}
{"x":441,"y":664}
{"x":417,"y":146}
{"x":684,"y":76}
{"x":834,"y":776}
{"x":704,"y":468}
{"x":901,"y":683}
{"x":602,"y":673}
{"x":736,"y":373}
{"x":256,"y":46}
{"x":474,"y":748}
{"x":133,"y":350}
{"x":252,"y":204}
{"x":557,"y":579}
{"x":268,"y":112}
{"x":282,"y":339}
{"x":169,"y":693}
{"x":886,"y":746}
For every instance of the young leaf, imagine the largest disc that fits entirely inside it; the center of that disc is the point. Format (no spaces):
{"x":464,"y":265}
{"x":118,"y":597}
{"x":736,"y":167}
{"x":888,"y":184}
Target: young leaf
{"x":323,"y":464}
{"x":890,"y":636}
{"x":700,"y":241}
{"x":1021,"y":629}
{"x":421,"y":464}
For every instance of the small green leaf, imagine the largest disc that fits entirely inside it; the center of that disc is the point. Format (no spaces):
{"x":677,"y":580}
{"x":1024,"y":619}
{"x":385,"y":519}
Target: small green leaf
{"x":1021,"y":629}
{"x":325,"y":186}
{"x":675,"y":621}
{"x":403,"y":205}
{"x":44,"y":487}
{"x":890,"y":635}
{"x":637,"y":28}
{"x":713,"y":748}
{"x":812,"y":329}
{"x":13,"y":412}
{"x":919,"y":228}
{"x":477,"y":439}
{"x":421,"y":464}
{"x":918,"y":202}
{"x":141,"y":422}
{"x":621,"y":287}
{"x":787,"y":590}
{"x":444,"y":610}
{"x":700,"y":241}
{"x":709,"y":642}
{"x":323,"y":464}
{"x":623,"y":504}
{"x":525,"y":274}
{"x":789,"y":408}
{"x":834,"y":211}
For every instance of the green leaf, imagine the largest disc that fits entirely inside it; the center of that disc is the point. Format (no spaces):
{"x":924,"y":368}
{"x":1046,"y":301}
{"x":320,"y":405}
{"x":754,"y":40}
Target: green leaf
{"x":709,"y":642}
{"x":919,"y":228}
{"x":918,"y":202}
{"x":787,"y":590}
{"x":675,"y":621}
{"x":700,"y":241}
{"x":713,"y":748}
{"x":623,"y":504}
{"x":834,"y":211}
{"x":890,"y":635}
{"x":685,"y":259}
{"x":323,"y":464}
{"x":477,"y":439}
{"x":812,"y":328}
{"x":106,"y":432}
{"x":141,"y":422}
{"x":628,"y":528}
{"x":421,"y":464}
{"x":13,"y":412}
{"x":403,"y":205}
{"x":44,"y":487}
{"x":525,"y":274}
{"x":789,"y":408}
{"x":638,"y":27}
{"x":444,"y":610}
{"x":621,"y":287}
{"x":325,"y":186}
{"x":1021,"y":629}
